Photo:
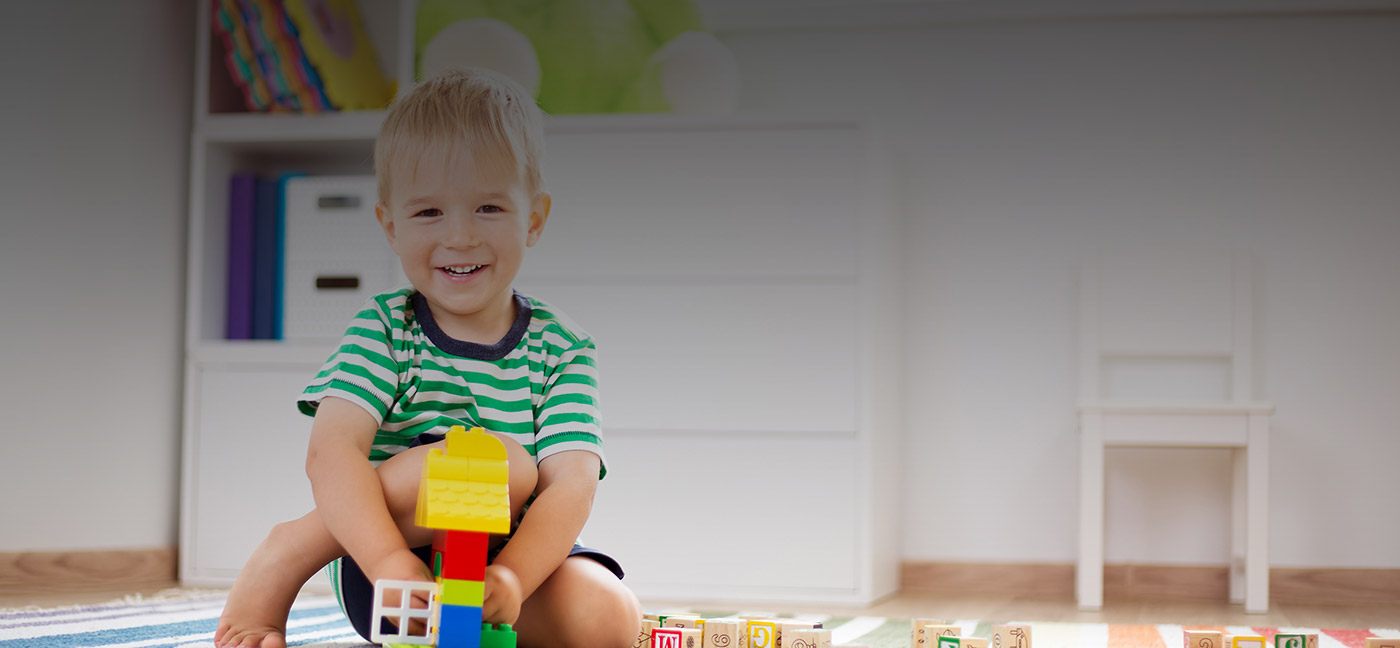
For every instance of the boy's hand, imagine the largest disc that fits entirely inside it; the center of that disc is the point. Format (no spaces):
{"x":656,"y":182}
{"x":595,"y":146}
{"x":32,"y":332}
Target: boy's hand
{"x":401,"y":564}
{"x":502,"y":603}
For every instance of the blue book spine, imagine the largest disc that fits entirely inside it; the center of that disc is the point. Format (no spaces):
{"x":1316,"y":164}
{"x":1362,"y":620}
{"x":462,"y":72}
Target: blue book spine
{"x":239,"y":311}
{"x":280,"y":261}
{"x":264,"y":257}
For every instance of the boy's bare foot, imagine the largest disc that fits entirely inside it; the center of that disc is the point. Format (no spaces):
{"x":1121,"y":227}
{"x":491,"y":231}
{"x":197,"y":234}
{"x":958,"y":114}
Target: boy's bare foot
{"x":255,"y":615}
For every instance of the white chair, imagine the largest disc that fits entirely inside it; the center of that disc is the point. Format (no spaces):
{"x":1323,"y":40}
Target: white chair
{"x":1183,"y":311}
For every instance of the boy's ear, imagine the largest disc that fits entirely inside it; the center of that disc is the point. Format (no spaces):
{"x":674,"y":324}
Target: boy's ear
{"x":539,"y":214}
{"x":386,"y":222}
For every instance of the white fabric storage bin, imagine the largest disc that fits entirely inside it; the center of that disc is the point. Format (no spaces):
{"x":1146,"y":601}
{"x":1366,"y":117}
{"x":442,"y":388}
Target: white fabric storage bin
{"x":336,"y":255}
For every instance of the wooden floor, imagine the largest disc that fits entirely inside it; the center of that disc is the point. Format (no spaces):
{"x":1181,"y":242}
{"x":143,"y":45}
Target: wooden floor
{"x":984,"y":607}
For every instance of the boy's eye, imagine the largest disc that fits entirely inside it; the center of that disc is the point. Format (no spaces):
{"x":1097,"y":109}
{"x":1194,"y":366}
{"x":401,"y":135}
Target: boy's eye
{"x":491,"y":209}
{"x":428,"y":213}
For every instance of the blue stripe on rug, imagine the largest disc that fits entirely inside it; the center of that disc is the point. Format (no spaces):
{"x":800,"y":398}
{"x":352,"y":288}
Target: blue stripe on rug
{"x":92,"y":614}
{"x":205,"y":623}
{"x":8,"y":616}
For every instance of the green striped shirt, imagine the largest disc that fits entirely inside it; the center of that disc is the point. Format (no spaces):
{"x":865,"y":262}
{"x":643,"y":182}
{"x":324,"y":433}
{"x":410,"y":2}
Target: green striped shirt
{"x":538,"y":385}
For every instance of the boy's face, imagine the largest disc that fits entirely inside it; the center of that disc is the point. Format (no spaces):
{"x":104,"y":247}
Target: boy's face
{"x":461,"y":230}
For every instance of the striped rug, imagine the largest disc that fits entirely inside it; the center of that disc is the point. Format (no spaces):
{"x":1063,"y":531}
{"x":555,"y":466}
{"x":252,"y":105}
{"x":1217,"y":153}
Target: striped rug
{"x":186,"y":619}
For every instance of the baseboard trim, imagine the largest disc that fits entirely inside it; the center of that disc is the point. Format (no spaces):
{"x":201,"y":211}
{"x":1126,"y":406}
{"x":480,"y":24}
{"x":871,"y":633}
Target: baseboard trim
{"x":1155,"y":582}
{"x":78,"y":571}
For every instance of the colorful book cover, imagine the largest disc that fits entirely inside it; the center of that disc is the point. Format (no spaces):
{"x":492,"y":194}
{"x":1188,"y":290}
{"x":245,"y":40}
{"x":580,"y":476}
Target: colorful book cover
{"x":265,"y":54}
{"x":334,"y":37}
{"x":239,"y":312}
{"x":264,"y":257}
{"x":291,"y":58}
{"x":239,"y":55}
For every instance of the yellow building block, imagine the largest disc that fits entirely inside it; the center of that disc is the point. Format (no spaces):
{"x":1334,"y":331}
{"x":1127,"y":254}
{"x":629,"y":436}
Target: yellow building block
{"x":474,"y":444}
{"x":464,"y":506}
{"x":461,"y":592}
{"x":466,"y":488}
{"x":487,"y":471}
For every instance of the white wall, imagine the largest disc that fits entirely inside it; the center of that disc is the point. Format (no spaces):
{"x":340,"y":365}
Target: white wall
{"x":95,"y":121}
{"x":1024,"y":145}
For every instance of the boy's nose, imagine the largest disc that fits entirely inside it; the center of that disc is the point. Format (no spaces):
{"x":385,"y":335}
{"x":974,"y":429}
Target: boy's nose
{"x":461,"y":231}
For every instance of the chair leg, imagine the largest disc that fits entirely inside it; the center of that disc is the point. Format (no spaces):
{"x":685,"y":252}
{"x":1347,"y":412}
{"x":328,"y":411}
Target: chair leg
{"x":1256,"y":592}
{"x":1239,"y":530}
{"x":1089,"y":571}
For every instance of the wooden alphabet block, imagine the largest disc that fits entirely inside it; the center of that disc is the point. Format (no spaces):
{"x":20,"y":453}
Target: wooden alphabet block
{"x":1248,"y":641}
{"x":961,"y":642}
{"x":649,"y":623}
{"x":724,"y":633}
{"x":683,"y":621}
{"x":934,"y":631}
{"x":1383,"y":642}
{"x":1204,"y":639}
{"x":1011,"y":636}
{"x":1295,"y":640}
{"x":763,"y":634}
{"x":785,"y":625}
{"x":675,"y":638}
{"x":923,"y":639}
{"x":806,"y":638}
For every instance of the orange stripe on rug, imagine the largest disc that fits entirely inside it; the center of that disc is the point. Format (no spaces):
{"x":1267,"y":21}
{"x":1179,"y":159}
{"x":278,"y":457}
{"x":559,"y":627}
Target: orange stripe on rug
{"x":1135,"y":636}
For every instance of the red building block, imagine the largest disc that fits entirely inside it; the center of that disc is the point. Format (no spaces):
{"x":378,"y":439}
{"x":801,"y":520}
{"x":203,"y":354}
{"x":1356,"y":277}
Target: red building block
{"x":463,"y":554}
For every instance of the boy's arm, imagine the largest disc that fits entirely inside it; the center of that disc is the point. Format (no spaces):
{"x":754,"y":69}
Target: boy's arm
{"x":348,"y":494}
{"x":563,"y":500}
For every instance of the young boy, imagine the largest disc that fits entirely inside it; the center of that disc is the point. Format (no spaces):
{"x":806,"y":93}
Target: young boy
{"x":460,"y":198}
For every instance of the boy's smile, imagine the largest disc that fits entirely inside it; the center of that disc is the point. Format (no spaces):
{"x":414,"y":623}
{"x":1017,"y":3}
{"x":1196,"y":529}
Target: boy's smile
{"x":460,"y":230}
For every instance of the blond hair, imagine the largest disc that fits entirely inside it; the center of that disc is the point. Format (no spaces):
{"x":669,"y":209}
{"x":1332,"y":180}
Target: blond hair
{"x":481,"y":112}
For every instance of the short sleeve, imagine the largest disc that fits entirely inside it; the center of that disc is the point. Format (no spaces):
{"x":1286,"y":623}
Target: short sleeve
{"x":362,"y":370}
{"x":569,"y":417}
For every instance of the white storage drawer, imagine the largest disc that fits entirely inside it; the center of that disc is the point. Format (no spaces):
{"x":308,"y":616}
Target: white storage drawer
{"x":337,"y":255}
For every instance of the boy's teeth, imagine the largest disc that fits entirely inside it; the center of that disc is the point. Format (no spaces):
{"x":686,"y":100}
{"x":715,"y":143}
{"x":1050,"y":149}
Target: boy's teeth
{"x":461,"y":269}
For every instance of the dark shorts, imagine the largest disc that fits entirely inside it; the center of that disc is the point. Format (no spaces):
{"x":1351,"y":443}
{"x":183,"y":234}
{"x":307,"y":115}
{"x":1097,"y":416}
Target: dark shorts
{"x":357,"y":593}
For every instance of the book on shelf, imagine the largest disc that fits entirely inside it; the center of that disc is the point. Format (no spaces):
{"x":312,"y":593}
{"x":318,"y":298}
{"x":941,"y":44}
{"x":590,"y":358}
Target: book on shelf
{"x":280,"y":254}
{"x":265,"y":236}
{"x":241,"y":235}
{"x":256,"y":255}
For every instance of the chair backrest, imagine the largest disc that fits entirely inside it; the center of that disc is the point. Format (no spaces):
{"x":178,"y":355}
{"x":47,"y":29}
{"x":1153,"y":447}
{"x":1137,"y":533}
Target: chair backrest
{"x":1166,"y":325}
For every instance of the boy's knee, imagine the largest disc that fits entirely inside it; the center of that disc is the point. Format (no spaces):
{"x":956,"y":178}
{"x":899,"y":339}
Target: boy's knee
{"x":611,"y":619}
{"x":524,"y":474}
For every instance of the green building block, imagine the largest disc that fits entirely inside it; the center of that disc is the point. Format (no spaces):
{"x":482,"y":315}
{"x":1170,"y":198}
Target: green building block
{"x":460,"y":592}
{"x":499,"y":636}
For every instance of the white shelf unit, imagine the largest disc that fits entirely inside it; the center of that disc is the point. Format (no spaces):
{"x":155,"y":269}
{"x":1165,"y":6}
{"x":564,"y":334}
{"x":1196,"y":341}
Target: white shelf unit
{"x":763,"y":243}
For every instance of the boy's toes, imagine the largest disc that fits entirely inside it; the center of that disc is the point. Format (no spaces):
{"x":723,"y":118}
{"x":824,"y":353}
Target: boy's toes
{"x":252,"y":639}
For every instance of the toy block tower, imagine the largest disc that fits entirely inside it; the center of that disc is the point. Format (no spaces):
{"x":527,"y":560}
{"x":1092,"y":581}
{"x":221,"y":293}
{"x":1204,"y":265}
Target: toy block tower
{"x":465,"y":496}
